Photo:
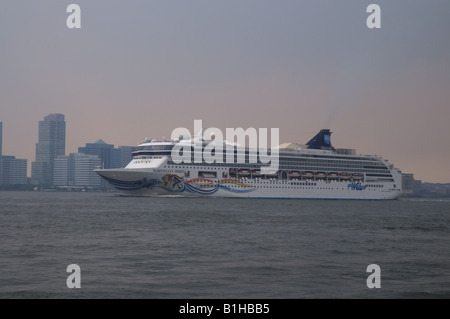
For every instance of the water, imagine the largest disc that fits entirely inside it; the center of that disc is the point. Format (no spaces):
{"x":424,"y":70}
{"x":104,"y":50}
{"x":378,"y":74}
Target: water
{"x":221,"y":248}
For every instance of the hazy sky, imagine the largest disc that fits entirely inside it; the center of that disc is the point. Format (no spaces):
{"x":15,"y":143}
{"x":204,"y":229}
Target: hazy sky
{"x":139,"y":69}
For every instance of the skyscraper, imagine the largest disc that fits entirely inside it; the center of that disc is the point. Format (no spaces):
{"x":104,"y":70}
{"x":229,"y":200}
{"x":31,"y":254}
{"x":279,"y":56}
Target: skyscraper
{"x":51,"y":143}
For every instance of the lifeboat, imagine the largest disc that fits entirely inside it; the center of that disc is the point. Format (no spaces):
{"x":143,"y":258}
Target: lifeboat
{"x":308,"y":174}
{"x":294,"y":174}
{"x":358,"y":176}
{"x":320,"y":175}
{"x":333,"y":175}
{"x":243,"y":172}
{"x":256,"y":172}
{"x":345,"y":175}
{"x":232,"y":172}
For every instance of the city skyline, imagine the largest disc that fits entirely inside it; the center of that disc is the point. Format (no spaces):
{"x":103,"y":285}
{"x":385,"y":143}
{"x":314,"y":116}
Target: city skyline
{"x":110,"y":157}
{"x":146,"y":68}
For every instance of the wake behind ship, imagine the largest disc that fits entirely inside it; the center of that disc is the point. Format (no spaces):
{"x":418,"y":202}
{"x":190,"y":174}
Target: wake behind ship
{"x":313,"y":171}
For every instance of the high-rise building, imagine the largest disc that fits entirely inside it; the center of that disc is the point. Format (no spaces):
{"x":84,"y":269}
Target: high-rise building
{"x":51,"y":143}
{"x":61,"y":171}
{"x":84,"y":174}
{"x":110,"y":156}
{"x":76,"y":170}
{"x":14,"y":170}
{"x":407,"y":183}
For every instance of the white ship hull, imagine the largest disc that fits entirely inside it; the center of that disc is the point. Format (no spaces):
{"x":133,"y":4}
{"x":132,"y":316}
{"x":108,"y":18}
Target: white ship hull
{"x":156,"y":182}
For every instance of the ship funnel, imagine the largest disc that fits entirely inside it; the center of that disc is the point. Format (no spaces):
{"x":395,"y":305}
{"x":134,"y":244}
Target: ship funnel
{"x":321,"y":141}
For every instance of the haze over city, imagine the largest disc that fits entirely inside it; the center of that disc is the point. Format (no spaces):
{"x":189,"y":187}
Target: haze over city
{"x":143,"y":68}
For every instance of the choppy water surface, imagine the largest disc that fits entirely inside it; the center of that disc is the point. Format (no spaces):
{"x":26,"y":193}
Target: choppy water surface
{"x":221,"y":248}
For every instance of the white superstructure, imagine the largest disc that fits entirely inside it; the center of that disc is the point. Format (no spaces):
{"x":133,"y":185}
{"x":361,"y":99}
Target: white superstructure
{"x":313,"y":171}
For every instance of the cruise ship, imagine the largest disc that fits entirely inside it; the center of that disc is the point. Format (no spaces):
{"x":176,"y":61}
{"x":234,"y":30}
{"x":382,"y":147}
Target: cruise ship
{"x":315,"y":170}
